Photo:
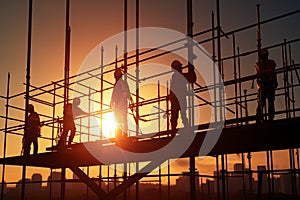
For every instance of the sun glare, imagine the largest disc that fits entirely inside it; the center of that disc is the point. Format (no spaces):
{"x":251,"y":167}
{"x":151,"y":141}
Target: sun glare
{"x":109,"y":125}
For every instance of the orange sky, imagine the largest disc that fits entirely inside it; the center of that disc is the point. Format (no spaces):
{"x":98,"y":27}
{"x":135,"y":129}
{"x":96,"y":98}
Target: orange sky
{"x":93,"y":21}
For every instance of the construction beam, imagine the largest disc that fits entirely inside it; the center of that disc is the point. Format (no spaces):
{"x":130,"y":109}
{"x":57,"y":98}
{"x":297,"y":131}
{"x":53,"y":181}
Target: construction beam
{"x":89,"y":182}
{"x":134,"y":178}
{"x":126,"y":184}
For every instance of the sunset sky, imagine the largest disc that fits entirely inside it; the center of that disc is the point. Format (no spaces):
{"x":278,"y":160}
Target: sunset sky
{"x":93,"y":21}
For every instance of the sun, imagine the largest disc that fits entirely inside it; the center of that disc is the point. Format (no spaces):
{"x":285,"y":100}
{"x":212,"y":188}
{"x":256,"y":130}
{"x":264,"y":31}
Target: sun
{"x":108,"y":125}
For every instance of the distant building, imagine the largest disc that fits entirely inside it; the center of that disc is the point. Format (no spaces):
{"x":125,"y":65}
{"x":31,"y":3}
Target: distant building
{"x":264,"y":182}
{"x":19,"y":184}
{"x":183,"y":182}
{"x":286,"y":184}
{"x":36,"y":186}
{"x":54,"y":185}
{"x":237,"y":181}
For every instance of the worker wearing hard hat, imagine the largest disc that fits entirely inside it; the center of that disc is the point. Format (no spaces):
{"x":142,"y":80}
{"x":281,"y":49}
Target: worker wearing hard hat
{"x":178,"y":93}
{"x":119,"y":102}
{"x":33,"y":131}
{"x":266,"y":84}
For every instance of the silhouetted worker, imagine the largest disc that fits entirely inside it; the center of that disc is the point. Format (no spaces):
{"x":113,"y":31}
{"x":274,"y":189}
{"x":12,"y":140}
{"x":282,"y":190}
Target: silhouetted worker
{"x":266,"y":84}
{"x":68,"y":125}
{"x":119,"y":103}
{"x":33,"y":131}
{"x":179,"y":92}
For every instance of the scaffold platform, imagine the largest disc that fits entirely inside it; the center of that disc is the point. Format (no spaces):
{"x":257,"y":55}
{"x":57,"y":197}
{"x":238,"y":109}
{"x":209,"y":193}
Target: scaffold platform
{"x":276,"y":135}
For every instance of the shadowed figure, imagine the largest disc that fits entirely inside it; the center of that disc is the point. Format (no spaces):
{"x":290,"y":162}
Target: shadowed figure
{"x":33,"y":131}
{"x":119,"y":103}
{"x":68,"y":125}
{"x":71,"y":111}
{"x":266,"y":84}
{"x":179,"y":92}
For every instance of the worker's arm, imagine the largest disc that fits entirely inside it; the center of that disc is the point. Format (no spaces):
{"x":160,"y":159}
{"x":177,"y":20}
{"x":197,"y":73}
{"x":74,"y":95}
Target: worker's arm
{"x":190,"y":75}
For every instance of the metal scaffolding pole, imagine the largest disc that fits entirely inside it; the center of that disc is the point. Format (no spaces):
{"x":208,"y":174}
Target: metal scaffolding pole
{"x":214,"y":69}
{"x":67,"y":54}
{"x":219,"y":59}
{"x":235,"y":80}
{"x":27,"y":88}
{"x":192,"y":178}
{"x":137,"y":76}
{"x":5,"y":135}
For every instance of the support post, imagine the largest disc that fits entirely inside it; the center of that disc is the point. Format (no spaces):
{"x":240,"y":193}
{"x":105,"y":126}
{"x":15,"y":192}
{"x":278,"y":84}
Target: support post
{"x":67,"y":54}
{"x":89,"y":182}
{"x":192,"y":178}
{"x":27,"y":88}
{"x":5,"y":136}
{"x":63,"y":183}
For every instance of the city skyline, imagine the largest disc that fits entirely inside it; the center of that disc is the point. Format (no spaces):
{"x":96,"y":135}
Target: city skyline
{"x":237,"y":179}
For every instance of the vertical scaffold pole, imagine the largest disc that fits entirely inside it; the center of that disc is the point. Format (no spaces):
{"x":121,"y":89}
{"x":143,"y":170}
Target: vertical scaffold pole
{"x":291,"y":67}
{"x":159,"y":183}
{"x":286,"y":80}
{"x":137,"y":73}
{"x":66,"y":86}
{"x":218,"y":177}
{"x":27,"y":88}
{"x":269,"y":175}
{"x":159,"y":112}
{"x":125,"y":71}
{"x":5,"y":136}
{"x":250,"y":171}
{"x":190,"y":59}
{"x":235,"y":81}
{"x":220,"y":91}
{"x":243,"y":176}
{"x":169,"y":180}
{"x":258,"y":39}
{"x":192,"y":178}
{"x":240,"y":84}
{"x":190,"y":97}
{"x":214,"y":61}
{"x":125,"y":38}
{"x":67,"y":54}
{"x":219,"y":58}
{"x":52,"y":137}
{"x":137,"y":70}
{"x":101,"y":94}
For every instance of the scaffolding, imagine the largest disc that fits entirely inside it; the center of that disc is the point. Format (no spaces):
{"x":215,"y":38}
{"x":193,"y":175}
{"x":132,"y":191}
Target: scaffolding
{"x":240,"y":135}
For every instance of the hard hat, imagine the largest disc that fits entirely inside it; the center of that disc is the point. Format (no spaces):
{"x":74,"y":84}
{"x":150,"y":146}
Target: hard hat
{"x":176,"y":65}
{"x":30,"y":108}
{"x":118,"y":73}
{"x":264,"y":52}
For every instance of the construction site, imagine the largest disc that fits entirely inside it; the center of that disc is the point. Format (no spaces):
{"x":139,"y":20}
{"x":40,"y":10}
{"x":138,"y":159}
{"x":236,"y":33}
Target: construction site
{"x":247,"y":159}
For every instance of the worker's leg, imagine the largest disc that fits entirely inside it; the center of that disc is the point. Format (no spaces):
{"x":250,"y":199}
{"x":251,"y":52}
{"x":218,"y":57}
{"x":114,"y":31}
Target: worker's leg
{"x":35,"y":145}
{"x":261,"y":102}
{"x":63,"y":137}
{"x":175,"y":107}
{"x":26,"y":146}
{"x":72,"y":135}
{"x":118,"y":118}
{"x":183,"y":113}
{"x":271,"y":106}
